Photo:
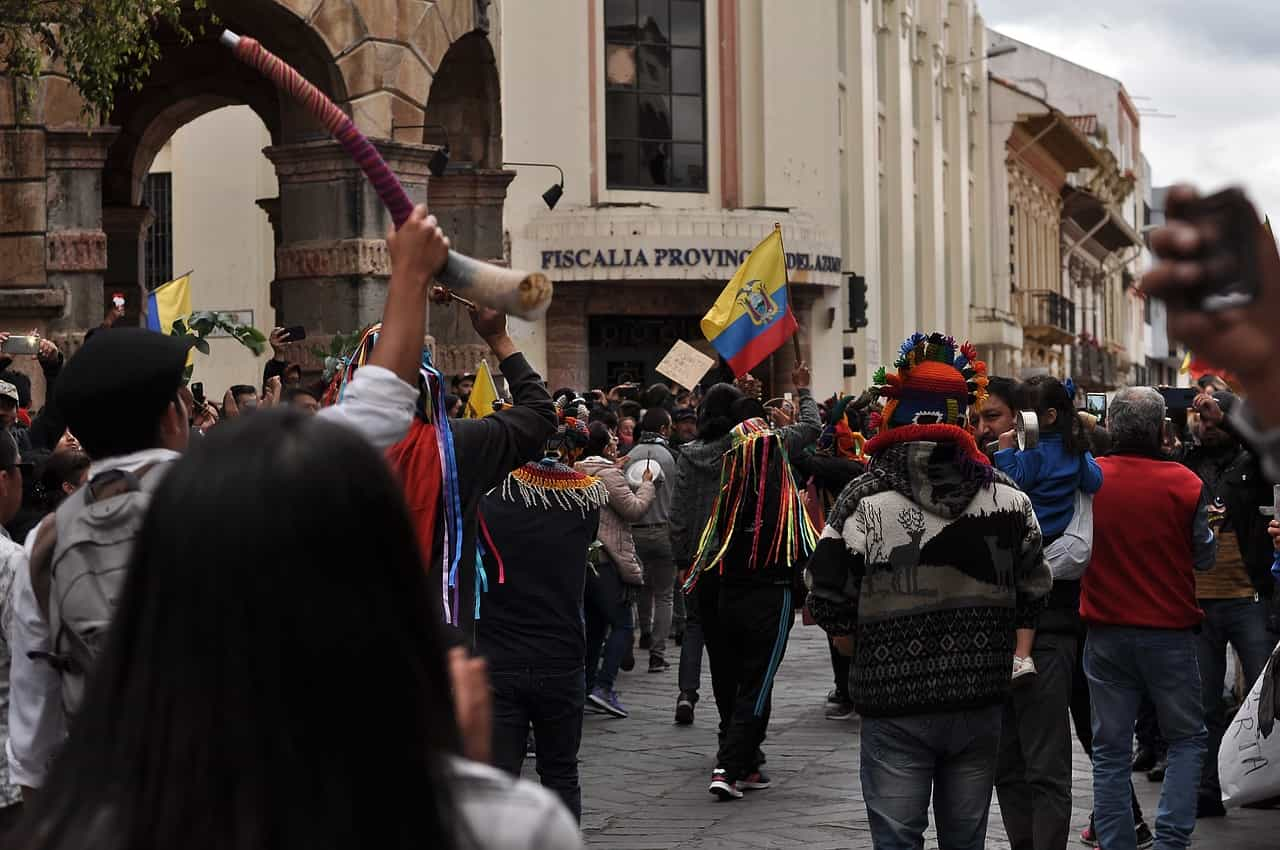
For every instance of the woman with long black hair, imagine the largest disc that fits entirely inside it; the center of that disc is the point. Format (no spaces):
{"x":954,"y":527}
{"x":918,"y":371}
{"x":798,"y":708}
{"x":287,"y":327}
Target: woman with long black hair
{"x":275,"y":676}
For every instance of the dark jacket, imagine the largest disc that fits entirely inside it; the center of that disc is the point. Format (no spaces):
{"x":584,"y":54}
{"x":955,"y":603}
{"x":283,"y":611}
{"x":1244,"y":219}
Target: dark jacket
{"x":487,"y":450}
{"x":698,"y":478}
{"x":1235,"y":476}
{"x":48,"y":426}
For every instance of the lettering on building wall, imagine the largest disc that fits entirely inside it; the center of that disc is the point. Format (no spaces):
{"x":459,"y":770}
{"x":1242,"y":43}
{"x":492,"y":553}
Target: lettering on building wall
{"x":668,"y":258}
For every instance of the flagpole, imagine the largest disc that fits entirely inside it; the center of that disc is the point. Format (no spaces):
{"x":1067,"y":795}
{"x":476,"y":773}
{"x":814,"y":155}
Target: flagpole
{"x":795,"y":337}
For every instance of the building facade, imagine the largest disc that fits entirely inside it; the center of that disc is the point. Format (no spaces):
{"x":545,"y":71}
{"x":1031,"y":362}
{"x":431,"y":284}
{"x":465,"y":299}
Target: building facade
{"x":1065,"y":151}
{"x":686,"y":128}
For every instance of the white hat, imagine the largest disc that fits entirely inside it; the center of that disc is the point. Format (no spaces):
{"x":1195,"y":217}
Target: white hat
{"x":635,"y":472}
{"x":8,"y":390}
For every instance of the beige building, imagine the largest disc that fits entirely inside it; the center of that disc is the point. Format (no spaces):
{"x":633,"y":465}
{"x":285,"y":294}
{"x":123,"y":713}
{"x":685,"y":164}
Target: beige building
{"x":201,"y":191}
{"x":685,"y":129}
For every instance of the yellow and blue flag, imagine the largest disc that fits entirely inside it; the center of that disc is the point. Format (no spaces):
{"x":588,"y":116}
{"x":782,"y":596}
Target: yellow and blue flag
{"x":484,"y":392}
{"x":752,"y":317}
{"x":169,"y":302}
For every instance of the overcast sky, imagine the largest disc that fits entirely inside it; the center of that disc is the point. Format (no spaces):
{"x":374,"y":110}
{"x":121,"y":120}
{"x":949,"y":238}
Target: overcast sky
{"x":1215,"y":65}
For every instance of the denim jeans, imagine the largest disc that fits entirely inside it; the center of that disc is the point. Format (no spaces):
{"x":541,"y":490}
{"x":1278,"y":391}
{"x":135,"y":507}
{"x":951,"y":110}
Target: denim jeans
{"x":950,"y":756}
{"x":550,"y":699}
{"x":1242,"y":623}
{"x":1123,"y":664}
{"x":607,"y":611}
{"x":1033,"y":777}
{"x":653,"y":547}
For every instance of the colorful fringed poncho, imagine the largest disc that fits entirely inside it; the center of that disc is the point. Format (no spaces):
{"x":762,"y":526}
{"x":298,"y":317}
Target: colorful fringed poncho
{"x":759,"y":528}
{"x":548,"y":482}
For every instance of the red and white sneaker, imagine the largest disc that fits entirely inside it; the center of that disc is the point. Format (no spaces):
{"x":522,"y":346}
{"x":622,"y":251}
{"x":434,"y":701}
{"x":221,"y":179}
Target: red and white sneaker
{"x":754,"y":782}
{"x":722,"y":787}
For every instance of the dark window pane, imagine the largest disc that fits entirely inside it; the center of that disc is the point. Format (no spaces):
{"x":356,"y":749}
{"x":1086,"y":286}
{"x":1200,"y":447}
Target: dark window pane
{"x":653,"y":21}
{"x":686,"y":22}
{"x":620,"y":115}
{"x":620,"y":19}
{"x":686,"y":119}
{"x":656,"y":157}
{"x":688,"y":169}
{"x":686,"y":71}
{"x":620,"y":159}
{"x":654,"y":68}
{"x":655,"y":116}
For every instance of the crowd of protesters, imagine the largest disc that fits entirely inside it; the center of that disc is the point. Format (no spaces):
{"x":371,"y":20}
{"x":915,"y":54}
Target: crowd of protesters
{"x":478,"y":584}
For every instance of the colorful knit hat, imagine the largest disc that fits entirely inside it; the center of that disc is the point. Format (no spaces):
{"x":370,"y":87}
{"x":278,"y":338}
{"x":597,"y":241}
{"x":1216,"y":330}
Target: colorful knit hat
{"x":572,"y":432}
{"x":936,"y":381}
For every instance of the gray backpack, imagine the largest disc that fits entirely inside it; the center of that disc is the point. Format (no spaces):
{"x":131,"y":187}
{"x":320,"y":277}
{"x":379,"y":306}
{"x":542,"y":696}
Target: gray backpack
{"x":78,"y":570}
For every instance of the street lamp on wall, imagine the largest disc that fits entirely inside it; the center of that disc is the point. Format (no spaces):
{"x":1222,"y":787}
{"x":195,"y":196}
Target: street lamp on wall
{"x":1002,"y":50}
{"x":439,"y":161}
{"x":552,"y":196}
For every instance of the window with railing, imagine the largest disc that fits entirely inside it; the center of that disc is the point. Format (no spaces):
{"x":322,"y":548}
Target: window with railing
{"x":157,"y":196}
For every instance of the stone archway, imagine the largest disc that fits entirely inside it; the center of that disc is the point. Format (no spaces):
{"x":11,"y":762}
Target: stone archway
{"x":80,"y":233}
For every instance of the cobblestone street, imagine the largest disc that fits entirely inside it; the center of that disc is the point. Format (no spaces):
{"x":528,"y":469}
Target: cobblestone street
{"x":645,"y":779}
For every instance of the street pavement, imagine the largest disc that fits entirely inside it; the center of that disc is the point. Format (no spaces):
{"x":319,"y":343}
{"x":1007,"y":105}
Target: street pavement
{"x":644,"y":779}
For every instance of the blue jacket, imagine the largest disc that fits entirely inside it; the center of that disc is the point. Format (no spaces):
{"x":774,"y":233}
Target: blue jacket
{"x":1050,"y":477}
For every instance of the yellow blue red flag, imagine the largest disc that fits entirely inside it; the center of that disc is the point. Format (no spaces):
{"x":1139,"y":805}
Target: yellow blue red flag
{"x":167,"y":303}
{"x":752,"y":317}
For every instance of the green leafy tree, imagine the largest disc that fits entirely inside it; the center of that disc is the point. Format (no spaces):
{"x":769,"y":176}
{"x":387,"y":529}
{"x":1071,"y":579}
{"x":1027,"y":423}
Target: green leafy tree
{"x":101,"y":45}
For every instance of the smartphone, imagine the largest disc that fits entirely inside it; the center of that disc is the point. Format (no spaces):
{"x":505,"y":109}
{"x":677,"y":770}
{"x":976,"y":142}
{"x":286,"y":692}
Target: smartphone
{"x":118,"y":300}
{"x":1228,"y":226}
{"x":1096,"y":404}
{"x":21,"y":345}
{"x":1178,"y":398}
{"x":197,"y":392}
{"x":297,"y":333}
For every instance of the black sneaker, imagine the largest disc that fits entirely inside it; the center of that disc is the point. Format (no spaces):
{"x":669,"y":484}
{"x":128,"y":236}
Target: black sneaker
{"x":658,"y":665}
{"x":646,"y":641}
{"x":836,"y":695}
{"x":1210,"y":806}
{"x":840,"y":710}
{"x":1144,"y":759}
{"x":1156,"y":774}
{"x":629,"y":660}
{"x":684,"y":708}
{"x":722,"y":787}
{"x":1143,"y":834}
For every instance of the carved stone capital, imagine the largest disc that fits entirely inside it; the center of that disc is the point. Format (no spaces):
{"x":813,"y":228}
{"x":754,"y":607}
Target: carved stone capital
{"x":129,"y":222}
{"x":338,"y":258}
{"x":34,"y":302}
{"x":482,"y":187}
{"x":311,"y":162}
{"x":78,"y":148}
{"x":76,"y":251}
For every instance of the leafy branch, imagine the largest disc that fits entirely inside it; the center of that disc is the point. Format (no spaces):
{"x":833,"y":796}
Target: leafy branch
{"x":338,"y":353}
{"x":102,"y":46}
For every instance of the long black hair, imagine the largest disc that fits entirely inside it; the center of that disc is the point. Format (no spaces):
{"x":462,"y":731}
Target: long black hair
{"x":1044,"y":393}
{"x":275,"y":677}
{"x":716,"y":416}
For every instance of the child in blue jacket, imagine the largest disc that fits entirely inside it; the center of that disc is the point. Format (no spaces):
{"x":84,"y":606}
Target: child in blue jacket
{"x":1050,"y":473}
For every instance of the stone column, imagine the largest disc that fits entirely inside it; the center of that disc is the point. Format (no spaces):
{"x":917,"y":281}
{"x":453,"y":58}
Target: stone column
{"x":22,"y":214}
{"x":332,"y":264}
{"x":469,"y":206}
{"x":568,"y":364}
{"x":77,"y":243}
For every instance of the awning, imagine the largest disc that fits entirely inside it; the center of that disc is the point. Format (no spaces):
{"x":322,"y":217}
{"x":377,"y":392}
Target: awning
{"x":1086,"y":210}
{"x":1057,"y":134}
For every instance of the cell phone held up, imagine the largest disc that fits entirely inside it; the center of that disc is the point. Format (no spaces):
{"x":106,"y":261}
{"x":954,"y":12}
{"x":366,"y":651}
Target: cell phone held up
{"x":297,"y":333}
{"x":26,"y":344}
{"x":1228,"y":226}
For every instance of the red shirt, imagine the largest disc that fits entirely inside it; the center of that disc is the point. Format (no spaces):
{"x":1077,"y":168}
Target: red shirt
{"x":1141,"y":573}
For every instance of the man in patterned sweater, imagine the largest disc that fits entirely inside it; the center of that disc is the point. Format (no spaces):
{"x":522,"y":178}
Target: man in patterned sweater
{"x":929,"y":563}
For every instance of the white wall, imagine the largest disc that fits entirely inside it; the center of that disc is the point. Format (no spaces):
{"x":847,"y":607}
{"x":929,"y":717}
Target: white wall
{"x":220,"y":234}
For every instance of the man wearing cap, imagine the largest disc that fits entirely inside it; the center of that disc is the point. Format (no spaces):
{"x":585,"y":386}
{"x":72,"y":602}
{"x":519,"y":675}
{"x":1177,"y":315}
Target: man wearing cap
{"x":122,"y":396}
{"x":12,"y":561}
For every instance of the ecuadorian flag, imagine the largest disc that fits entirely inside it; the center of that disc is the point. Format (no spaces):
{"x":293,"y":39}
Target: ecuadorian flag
{"x":167,"y":303}
{"x":752,"y":318}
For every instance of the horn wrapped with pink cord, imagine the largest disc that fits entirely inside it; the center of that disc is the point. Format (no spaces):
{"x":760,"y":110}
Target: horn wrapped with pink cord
{"x":515,"y":293}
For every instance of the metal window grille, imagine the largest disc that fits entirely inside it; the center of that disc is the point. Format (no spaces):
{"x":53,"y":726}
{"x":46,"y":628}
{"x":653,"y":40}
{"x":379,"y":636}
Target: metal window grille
{"x":157,"y":194}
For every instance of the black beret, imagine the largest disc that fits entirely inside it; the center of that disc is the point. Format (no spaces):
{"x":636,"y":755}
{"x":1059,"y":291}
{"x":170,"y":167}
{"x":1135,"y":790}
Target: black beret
{"x":115,"y":389}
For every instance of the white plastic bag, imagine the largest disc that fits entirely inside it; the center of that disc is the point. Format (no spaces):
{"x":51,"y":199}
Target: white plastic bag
{"x":1249,"y":764}
{"x":1068,"y":556}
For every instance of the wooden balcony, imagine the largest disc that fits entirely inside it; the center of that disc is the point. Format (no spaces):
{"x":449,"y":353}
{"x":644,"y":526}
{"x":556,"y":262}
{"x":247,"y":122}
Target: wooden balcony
{"x":1046,"y":316}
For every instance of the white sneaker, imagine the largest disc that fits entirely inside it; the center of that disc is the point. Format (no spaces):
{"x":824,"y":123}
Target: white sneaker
{"x":1023,"y":667}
